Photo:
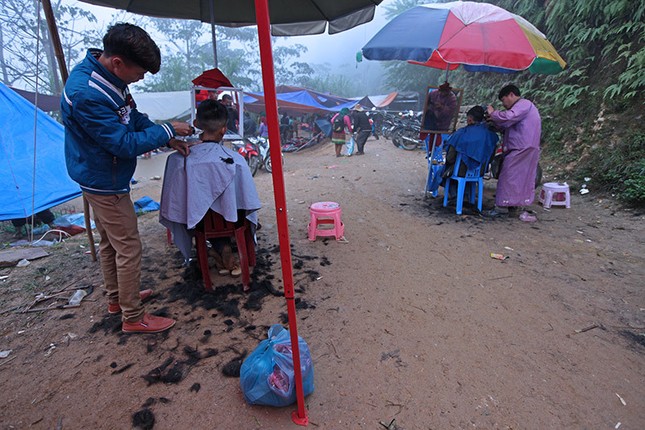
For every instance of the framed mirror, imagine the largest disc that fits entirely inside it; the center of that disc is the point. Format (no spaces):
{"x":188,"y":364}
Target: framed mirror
{"x":441,"y":109}
{"x":233,"y":98}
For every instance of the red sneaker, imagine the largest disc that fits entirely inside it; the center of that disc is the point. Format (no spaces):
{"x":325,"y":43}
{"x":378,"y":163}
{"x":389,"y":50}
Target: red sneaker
{"x":114,"y":308}
{"x":148,"y":324}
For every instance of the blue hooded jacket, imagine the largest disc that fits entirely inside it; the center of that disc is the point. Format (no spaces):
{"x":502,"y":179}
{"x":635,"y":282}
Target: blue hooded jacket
{"x":104,"y":132}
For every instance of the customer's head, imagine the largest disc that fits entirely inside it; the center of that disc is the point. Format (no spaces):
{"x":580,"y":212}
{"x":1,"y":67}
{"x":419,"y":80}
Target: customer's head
{"x":131,"y":52}
{"x":211,"y":116}
{"x":508,"y":95}
{"x":475,"y":115}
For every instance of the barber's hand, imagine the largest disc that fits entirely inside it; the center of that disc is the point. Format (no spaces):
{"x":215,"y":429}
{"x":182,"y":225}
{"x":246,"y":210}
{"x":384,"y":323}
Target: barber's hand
{"x":183,"y":128}
{"x":180,"y":146}
{"x":490,"y":109}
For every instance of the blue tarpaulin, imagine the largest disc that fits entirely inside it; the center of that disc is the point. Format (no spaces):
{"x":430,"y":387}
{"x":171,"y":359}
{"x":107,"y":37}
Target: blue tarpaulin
{"x":19,"y":159}
{"x":294,"y":99}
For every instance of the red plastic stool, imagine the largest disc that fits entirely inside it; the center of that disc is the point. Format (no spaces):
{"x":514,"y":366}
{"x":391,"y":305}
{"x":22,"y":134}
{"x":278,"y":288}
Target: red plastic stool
{"x":555,"y":194}
{"x":325,"y":214}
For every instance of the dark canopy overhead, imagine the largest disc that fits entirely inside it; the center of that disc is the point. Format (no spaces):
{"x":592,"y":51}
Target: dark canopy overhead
{"x":288,"y":18}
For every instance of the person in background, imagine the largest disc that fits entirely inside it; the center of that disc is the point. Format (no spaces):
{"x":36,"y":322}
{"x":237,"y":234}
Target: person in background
{"x":362,"y":128}
{"x":295,"y":125}
{"x":285,"y":127}
{"x":42,"y":217}
{"x":341,"y":126}
{"x":263,"y":130}
{"x":522,"y":128}
{"x":104,"y":133}
{"x":250,"y":127}
{"x":233,"y":114}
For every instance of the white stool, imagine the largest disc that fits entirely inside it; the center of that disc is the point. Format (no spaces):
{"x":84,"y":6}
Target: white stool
{"x":555,"y":194}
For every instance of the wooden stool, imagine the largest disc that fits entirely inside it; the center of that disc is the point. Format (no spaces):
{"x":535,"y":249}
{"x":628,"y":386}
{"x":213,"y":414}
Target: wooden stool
{"x":214,"y":225}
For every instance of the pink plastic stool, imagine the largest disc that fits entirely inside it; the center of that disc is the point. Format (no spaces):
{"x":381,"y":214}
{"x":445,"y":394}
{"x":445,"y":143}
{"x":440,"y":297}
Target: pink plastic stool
{"x":325,"y":214}
{"x":555,"y":194}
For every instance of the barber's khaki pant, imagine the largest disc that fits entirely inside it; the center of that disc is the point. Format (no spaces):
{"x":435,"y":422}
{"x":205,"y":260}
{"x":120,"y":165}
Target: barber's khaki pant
{"x":119,"y":251}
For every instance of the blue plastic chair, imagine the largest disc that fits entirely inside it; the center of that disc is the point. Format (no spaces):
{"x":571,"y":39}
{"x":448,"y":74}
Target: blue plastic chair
{"x":473,"y":177}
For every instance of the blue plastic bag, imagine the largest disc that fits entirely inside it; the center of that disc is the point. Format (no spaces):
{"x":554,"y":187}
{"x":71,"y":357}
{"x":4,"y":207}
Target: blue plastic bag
{"x":267,"y":375}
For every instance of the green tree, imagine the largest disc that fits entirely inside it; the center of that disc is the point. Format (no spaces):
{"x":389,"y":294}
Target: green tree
{"x":26,"y":51}
{"x":188,"y":51}
{"x":288,"y":70}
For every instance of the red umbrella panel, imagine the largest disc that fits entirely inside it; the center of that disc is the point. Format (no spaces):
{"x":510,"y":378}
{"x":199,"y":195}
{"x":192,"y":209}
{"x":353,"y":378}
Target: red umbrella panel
{"x":479,"y":36}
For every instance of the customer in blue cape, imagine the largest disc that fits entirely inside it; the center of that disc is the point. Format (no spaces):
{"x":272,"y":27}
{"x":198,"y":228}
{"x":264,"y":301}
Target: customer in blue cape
{"x":475,"y":142}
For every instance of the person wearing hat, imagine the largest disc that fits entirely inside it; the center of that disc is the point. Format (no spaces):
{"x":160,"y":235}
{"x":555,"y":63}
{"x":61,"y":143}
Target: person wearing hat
{"x":341,"y":125}
{"x":362,"y":128}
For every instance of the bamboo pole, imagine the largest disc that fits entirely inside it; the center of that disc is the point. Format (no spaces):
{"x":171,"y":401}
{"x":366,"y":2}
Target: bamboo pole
{"x":60,"y":57}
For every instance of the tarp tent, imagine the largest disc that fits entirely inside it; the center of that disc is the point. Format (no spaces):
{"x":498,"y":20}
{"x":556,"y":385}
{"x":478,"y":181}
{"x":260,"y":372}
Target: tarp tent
{"x":379,"y":101}
{"x":177,"y":105}
{"x":53,"y":186}
{"x":45,"y":102}
{"x":294,"y":100}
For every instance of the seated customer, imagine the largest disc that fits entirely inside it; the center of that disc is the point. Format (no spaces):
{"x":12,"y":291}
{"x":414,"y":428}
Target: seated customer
{"x":475,"y":142}
{"x":211,"y":177}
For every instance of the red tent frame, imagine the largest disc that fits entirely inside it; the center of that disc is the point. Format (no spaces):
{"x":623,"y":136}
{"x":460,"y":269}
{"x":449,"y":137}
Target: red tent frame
{"x":270,"y":99}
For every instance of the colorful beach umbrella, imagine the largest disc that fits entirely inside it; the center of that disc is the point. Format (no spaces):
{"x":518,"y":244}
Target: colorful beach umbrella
{"x":481,"y":37}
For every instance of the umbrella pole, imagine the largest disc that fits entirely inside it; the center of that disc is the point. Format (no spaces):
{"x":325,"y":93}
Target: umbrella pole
{"x":213,"y":36}
{"x":268,"y":79}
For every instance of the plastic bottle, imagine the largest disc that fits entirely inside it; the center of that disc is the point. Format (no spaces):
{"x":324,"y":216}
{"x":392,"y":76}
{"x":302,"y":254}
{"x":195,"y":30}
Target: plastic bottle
{"x":75,"y":300}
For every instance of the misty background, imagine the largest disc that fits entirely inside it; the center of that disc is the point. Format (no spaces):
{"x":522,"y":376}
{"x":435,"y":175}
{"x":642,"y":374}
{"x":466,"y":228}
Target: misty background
{"x":327,"y":53}
{"x":326,"y":63}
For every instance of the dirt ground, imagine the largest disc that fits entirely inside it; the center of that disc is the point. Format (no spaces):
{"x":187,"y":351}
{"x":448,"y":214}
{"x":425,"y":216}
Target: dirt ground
{"x":411,"y":324}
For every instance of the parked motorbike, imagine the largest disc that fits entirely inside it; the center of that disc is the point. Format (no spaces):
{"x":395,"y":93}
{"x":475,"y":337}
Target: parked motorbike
{"x":251,"y":153}
{"x":262,"y":144}
{"x":406,"y":133}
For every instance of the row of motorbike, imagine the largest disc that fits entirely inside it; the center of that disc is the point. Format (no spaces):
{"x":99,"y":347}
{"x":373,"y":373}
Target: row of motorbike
{"x":402,"y":130}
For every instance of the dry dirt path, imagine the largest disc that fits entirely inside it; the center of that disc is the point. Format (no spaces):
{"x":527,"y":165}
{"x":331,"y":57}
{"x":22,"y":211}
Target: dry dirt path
{"x":411,"y":320}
